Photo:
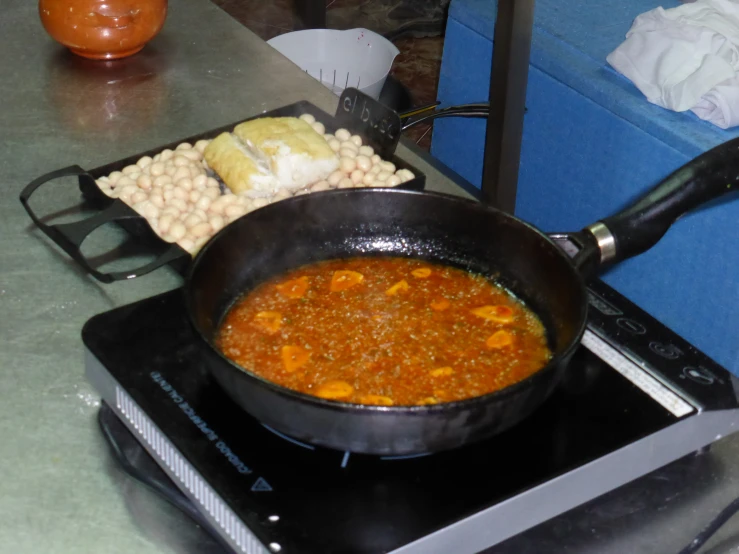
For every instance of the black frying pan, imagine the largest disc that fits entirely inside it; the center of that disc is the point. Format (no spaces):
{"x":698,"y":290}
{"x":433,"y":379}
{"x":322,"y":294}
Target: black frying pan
{"x":439,"y":228}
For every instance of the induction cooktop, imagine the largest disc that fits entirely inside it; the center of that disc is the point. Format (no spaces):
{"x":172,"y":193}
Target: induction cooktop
{"x":636,"y":396}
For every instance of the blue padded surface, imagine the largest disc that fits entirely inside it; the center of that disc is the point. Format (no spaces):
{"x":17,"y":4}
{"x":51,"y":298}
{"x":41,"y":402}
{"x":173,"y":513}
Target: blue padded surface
{"x":571,"y":41}
{"x":591,"y":143}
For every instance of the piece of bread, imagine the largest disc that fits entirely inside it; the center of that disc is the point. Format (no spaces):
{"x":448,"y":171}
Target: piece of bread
{"x":266,"y":154}
{"x":238,"y":168}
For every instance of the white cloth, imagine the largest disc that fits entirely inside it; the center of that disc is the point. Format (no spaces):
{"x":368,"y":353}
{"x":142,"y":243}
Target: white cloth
{"x":686,"y":58}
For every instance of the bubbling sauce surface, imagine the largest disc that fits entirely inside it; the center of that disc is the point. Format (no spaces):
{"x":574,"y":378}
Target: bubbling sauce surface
{"x":384,"y":331}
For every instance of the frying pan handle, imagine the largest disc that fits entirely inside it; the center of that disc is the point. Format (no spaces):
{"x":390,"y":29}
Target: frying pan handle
{"x":640,"y":226}
{"x":70,"y":236}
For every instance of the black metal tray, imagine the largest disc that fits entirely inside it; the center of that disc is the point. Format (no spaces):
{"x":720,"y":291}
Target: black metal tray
{"x":378,"y":126}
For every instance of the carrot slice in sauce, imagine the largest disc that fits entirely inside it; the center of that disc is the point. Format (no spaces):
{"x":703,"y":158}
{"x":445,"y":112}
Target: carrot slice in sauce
{"x":421,"y":272}
{"x":440,"y":305}
{"x":294,"y":357}
{"x":427,"y":401}
{"x":499,"y":339}
{"x":499,"y":314}
{"x":376,"y":400}
{"x":345,"y":279}
{"x":295,"y":288}
{"x":333,"y":390}
{"x":269,"y":321}
{"x":441,"y":372}
{"x":397,"y":287}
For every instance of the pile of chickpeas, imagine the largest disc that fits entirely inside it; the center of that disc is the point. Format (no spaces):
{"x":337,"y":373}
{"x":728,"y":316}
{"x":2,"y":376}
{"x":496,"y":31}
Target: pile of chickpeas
{"x":184,"y":202}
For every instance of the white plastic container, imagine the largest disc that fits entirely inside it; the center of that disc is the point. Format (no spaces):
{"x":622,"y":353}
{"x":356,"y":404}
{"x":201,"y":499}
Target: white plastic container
{"x":339,"y":59}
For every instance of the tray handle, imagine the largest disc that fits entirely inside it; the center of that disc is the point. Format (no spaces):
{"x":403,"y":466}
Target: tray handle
{"x":70,"y":236}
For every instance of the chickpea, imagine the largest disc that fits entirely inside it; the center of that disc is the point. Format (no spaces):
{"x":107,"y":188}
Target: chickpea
{"x":200,"y":242}
{"x":202,"y":203}
{"x":347,"y":153}
{"x":200,"y":213}
{"x":156,"y":169}
{"x":342,"y":134}
{"x":181,"y":193}
{"x":157,"y":199}
{"x":347,"y":165}
{"x":113,"y":177}
{"x":166,"y":154}
{"x":319,"y":128}
{"x":177,"y":230}
{"x":170,"y":169}
{"x":187,"y":244}
{"x":216,"y":222}
{"x":308,"y":118}
{"x":356,"y":176}
{"x":319,"y":186}
{"x":334,"y":144}
{"x":201,"y":145}
{"x":106,"y":190}
{"x":376,"y":159}
{"x":184,"y":183}
{"x":181,"y":173}
{"x":202,"y":229}
{"x":162,"y":180}
{"x":260,"y":203}
{"x":191,"y":219}
{"x":212,"y":193}
{"x":179,"y":203}
{"x":335,"y":177}
{"x":392,"y":181}
{"x":131,"y":169}
{"x":139,"y":196}
{"x":234,"y":211}
{"x":144,"y":162}
{"x":194,"y":196}
{"x":368,"y":179}
{"x":382,"y":176}
{"x":144,"y":181}
{"x":125,"y":181}
{"x":282,"y":194}
{"x":181,"y":161}
{"x":199,"y":181}
{"x":192,"y":155}
{"x":184,"y":146}
{"x":220,"y":203}
{"x":388,"y":166}
{"x":165,"y":221}
{"x":356,"y":139}
{"x":405,"y":175}
{"x":346,"y":183}
{"x":366,"y":151}
{"x":127,"y":191}
{"x":171,"y":211}
{"x":350,"y":145}
{"x":147,"y":209}
{"x":363,"y":163}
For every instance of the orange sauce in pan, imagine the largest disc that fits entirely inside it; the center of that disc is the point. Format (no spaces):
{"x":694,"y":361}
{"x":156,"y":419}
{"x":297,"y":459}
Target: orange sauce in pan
{"x":384,"y":331}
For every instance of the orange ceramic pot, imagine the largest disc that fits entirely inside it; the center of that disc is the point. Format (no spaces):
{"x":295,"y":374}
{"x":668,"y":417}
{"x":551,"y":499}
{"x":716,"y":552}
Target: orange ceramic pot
{"x":103,"y":29}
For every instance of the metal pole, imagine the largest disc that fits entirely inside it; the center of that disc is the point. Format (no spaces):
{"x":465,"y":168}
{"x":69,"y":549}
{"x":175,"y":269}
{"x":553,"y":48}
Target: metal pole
{"x":508,"y":80}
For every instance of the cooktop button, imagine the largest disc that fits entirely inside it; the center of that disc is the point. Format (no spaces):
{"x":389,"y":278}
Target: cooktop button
{"x":699,"y":375}
{"x":669,"y":351}
{"x":631,"y":326}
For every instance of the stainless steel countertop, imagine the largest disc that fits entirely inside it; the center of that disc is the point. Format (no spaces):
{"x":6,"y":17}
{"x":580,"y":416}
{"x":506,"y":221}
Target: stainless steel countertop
{"x":60,"y":491}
